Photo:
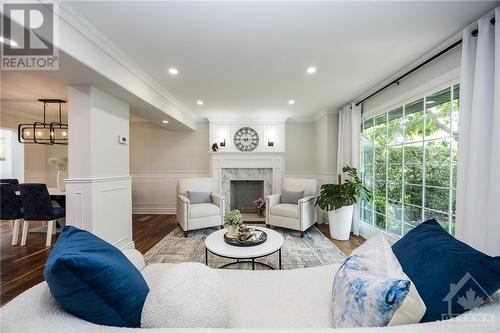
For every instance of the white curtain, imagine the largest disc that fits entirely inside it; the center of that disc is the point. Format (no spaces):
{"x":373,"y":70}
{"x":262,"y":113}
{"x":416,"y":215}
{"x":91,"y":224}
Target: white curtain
{"x":478,"y":187}
{"x":348,"y":146}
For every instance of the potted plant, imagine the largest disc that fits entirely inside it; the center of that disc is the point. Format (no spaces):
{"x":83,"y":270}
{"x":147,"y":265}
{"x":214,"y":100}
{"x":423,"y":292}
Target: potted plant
{"x":339,"y":199}
{"x":261,"y":205}
{"x":232,"y":221}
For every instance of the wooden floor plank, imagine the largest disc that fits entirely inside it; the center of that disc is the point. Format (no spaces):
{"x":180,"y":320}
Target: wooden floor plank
{"x":21,"y":267}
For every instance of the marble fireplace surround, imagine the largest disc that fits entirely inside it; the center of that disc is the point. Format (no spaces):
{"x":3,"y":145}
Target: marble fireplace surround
{"x":229,"y":174}
{"x":268,"y":167}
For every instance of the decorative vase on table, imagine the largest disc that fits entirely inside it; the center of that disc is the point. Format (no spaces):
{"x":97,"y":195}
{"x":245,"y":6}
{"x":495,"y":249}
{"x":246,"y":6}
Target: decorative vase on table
{"x":232,"y":231}
{"x":62,"y":171}
{"x":260,"y":203}
{"x":61,"y":176}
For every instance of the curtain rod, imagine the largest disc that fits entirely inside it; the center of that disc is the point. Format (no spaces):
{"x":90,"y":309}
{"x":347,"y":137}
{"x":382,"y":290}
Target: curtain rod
{"x":437,"y":55}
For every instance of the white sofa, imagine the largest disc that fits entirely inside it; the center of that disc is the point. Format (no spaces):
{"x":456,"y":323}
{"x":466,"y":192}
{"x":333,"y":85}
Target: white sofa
{"x":201,"y":215}
{"x":271,"y":301}
{"x":297,"y":217}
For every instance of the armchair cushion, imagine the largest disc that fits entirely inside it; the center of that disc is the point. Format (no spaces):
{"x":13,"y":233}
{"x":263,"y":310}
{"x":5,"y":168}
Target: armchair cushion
{"x":291,"y":197}
{"x":204,"y":210}
{"x":286,"y":210}
{"x":198,"y":197}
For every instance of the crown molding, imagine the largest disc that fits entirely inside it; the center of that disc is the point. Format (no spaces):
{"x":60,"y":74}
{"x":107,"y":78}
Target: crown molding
{"x":320,"y":115}
{"x":85,"y":28}
{"x":300,"y":120}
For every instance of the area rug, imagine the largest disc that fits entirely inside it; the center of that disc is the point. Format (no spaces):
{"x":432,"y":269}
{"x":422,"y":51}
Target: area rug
{"x":312,"y":250}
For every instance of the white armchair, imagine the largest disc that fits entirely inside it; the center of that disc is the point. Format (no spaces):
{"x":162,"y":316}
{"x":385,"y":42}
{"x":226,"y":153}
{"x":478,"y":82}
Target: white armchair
{"x":293,"y":216}
{"x":192,"y":216}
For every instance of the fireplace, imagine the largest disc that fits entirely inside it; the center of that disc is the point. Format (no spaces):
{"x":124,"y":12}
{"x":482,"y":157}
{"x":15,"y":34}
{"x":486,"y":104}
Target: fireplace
{"x":243,"y":194}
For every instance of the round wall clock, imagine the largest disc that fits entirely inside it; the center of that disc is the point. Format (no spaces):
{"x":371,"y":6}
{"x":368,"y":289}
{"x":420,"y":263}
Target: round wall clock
{"x":246,"y":139}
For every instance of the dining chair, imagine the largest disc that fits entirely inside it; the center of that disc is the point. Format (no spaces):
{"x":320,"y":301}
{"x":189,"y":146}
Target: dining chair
{"x":11,"y":209}
{"x":37,"y":206}
{"x":13,"y":182}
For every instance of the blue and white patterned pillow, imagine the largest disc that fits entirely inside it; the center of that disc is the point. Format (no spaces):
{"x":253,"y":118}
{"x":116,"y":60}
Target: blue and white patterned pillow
{"x":371,"y":290}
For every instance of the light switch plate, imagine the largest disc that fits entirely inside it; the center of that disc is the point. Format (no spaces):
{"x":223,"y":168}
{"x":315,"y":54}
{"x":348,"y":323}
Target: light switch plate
{"x":123,"y":140}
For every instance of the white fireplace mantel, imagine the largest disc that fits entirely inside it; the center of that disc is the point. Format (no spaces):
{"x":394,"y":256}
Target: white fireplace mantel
{"x":233,"y":160}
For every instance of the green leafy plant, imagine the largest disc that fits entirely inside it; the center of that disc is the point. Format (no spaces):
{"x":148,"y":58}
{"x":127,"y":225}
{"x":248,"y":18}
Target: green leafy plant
{"x":335,"y":196}
{"x":233,"y":218}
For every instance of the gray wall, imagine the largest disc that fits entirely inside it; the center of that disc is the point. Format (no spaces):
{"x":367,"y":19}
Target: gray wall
{"x":154,"y":148}
{"x":300,"y":147}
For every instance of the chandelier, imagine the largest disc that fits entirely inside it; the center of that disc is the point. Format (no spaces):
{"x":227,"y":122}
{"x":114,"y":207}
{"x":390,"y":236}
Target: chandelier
{"x":45,"y":133}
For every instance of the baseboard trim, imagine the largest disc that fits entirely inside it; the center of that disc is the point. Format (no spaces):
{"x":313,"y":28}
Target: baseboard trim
{"x":151,"y":210}
{"x":129,"y":246}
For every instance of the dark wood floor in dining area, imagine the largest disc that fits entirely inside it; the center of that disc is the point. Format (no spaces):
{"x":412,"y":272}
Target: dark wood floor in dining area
{"x":21,"y":267}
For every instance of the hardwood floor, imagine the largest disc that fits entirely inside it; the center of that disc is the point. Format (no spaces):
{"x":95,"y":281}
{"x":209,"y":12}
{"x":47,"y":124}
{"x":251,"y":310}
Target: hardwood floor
{"x":345,"y":246}
{"x":21,"y":267}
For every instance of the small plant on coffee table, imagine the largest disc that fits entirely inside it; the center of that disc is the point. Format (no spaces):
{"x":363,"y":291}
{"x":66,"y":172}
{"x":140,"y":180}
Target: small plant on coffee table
{"x":232,"y":221}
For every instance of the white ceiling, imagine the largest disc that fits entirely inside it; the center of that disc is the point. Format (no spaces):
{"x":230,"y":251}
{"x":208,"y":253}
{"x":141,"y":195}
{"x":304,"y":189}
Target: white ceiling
{"x":22,"y":89}
{"x":251,"y":57}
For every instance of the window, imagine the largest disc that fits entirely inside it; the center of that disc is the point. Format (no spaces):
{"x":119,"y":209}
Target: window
{"x":409,"y":162}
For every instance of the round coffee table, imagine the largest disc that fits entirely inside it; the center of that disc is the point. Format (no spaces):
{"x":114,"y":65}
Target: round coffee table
{"x":215,"y":244}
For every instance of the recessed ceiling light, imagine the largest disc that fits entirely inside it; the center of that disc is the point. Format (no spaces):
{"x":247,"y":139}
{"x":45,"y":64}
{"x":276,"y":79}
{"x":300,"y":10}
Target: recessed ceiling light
{"x":291,"y":102}
{"x":199,"y":102}
{"x":311,"y":70}
{"x":165,"y":121}
{"x":173,"y":71}
{"x":8,"y":41}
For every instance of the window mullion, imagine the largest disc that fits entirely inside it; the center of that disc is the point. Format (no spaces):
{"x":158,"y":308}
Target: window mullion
{"x":424,"y":149}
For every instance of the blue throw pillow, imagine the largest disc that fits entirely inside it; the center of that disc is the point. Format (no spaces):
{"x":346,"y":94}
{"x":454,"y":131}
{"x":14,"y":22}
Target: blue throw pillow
{"x":450,"y":276}
{"x":93,"y":280}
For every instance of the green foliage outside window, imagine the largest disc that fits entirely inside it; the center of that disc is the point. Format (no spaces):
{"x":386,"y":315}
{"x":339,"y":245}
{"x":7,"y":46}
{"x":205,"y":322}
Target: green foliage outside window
{"x":409,"y":158}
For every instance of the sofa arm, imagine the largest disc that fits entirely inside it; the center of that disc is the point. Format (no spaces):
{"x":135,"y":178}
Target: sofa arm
{"x":220,"y":201}
{"x":307,"y":199}
{"x":217,"y":199}
{"x":182,"y":210}
{"x":307,"y":212}
{"x":135,"y":258}
{"x":272,"y":200}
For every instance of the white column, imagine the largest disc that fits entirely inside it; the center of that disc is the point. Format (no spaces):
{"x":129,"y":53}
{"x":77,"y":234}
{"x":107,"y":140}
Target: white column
{"x":98,"y":188}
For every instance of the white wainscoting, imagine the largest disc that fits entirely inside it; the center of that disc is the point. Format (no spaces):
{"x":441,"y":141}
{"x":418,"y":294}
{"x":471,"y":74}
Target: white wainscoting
{"x":154,"y":192}
{"x":103,"y":207}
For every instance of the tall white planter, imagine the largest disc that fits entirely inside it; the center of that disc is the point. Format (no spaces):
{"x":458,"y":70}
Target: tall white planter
{"x":340,"y":221}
